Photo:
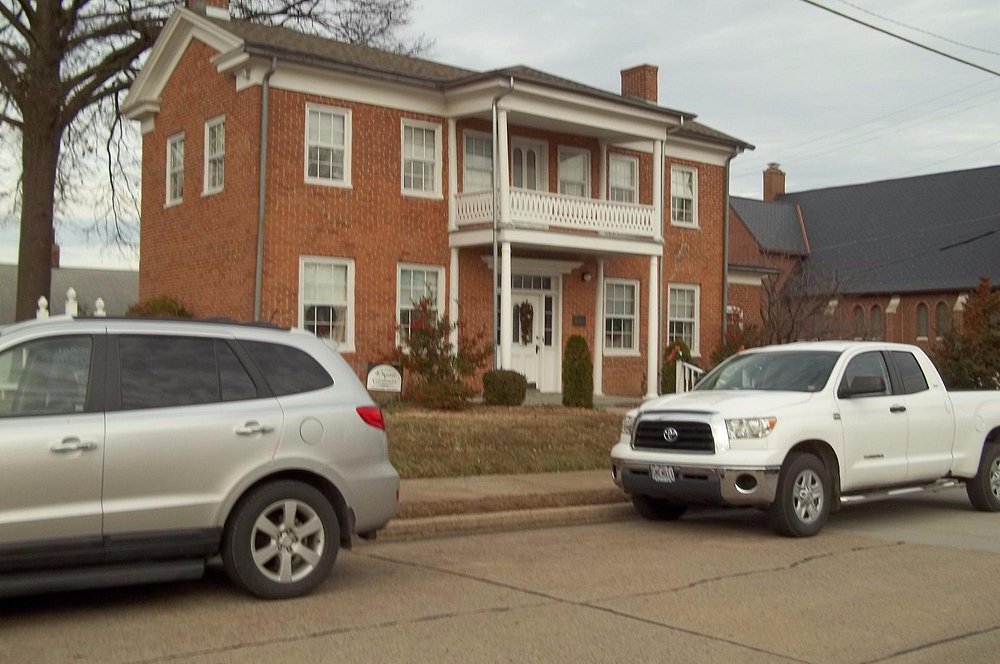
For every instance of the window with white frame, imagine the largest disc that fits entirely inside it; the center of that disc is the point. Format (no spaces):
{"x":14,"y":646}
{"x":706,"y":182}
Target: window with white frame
{"x":574,"y":172}
{"x":326,"y":299}
{"x":175,"y":169}
{"x":623,"y":179}
{"x":478,"y":163}
{"x":421,"y":158}
{"x":683,"y":196}
{"x":621,"y":317}
{"x":215,"y":155}
{"x":328,"y":145}
{"x":682,"y":315}
{"x":414,"y":283}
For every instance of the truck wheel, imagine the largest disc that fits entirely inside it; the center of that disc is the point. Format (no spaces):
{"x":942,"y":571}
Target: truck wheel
{"x":281,"y":540}
{"x":657,"y":509}
{"x":802,"y":503}
{"x":984,"y":488}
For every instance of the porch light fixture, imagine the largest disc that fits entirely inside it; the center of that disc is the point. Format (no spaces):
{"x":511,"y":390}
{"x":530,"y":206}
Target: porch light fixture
{"x":586,"y":276}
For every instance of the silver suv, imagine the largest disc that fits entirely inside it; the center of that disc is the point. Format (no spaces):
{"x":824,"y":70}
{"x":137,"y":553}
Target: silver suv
{"x":134,"y":451}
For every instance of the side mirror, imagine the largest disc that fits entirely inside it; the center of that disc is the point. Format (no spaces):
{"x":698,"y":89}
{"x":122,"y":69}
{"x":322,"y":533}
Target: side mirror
{"x":862,"y":386}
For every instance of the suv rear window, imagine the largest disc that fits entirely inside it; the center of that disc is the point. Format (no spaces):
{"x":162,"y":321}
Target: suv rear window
{"x":287,"y":370}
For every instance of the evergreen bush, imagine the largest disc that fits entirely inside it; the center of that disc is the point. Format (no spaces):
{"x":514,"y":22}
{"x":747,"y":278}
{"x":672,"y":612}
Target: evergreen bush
{"x":504,"y":388}
{"x":162,"y":306}
{"x":577,"y":374}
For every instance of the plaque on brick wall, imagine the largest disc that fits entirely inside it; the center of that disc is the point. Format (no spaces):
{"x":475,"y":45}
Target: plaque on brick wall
{"x":579,"y":321}
{"x":385,"y":378}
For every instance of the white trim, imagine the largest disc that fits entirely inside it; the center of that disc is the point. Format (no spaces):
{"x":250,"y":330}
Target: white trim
{"x":548,"y":240}
{"x":614,"y":156}
{"x":212,"y":11}
{"x":893,"y":305}
{"x":479,"y":136}
{"x":209,"y":124}
{"x":348,"y":345}
{"x":436,"y":128}
{"x":346,"y":113}
{"x":169,"y":200}
{"x":622,"y":352}
{"x":418,"y":267}
{"x":688,"y":150}
{"x":542,"y":267}
{"x":541,"y":168}
{"x":745,"y":278}
{"x":696,"y":333}
{"x":572,"y":151}
{"x":452,"y":175}
{"x":676,"y":168}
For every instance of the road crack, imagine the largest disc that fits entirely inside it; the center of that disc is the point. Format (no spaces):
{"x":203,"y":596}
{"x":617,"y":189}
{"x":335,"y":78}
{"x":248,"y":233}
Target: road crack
{"x":934,"y":644}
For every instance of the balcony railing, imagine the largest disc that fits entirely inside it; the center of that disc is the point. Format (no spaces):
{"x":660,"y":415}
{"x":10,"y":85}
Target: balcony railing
{"x":539,"y":209}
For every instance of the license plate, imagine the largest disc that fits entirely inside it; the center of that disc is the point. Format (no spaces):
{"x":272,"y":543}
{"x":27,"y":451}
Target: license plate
{"x":662,"y":473}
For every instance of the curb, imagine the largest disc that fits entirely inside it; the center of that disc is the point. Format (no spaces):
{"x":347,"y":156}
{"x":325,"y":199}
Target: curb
{"x":466,"y":524}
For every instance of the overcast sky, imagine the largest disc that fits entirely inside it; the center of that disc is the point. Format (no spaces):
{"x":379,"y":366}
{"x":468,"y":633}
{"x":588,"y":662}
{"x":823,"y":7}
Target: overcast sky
{"x":832,"y":101}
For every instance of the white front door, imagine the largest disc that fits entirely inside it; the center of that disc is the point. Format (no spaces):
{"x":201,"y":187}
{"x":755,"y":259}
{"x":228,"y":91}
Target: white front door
{"x":528,"y":320}
{"x":528,"y":165}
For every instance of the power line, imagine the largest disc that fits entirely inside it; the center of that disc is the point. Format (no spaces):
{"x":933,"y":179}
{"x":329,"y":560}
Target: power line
{"x":916,"y":29}
{"x":902,"y":38}
{"x":954,"y":156}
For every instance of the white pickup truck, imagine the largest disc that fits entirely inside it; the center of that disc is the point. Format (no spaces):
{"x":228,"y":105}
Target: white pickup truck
{"x":803,"y":428}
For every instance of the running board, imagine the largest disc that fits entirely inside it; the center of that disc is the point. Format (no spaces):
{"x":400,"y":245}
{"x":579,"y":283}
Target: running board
{"x":61,"y":580}
{"x":901,"y":491}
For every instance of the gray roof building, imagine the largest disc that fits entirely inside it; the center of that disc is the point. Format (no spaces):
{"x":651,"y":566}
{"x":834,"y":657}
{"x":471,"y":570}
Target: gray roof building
{"x":775,"y":225}
{"x":118,"y":288}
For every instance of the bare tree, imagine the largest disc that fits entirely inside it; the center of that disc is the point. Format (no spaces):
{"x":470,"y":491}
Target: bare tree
{"x":799,"y":307}
{"x":64,"y":68}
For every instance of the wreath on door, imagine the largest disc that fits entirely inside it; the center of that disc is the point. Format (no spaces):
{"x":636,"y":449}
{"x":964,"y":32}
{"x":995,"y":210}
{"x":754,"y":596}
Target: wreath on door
{"x":526,"y":316}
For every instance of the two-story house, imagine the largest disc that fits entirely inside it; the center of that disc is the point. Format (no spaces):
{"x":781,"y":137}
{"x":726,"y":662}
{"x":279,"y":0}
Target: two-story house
{"x":313,"y":183}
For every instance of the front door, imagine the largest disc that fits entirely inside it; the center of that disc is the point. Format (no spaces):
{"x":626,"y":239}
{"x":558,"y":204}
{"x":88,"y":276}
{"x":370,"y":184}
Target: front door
{"x":527,"y":165}
{"x":527,"y":351}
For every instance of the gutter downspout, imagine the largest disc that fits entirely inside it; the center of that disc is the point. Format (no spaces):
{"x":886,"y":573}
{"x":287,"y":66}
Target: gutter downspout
{"x":664,"y":292}
{"x":496,"y":259}
{"x":725,"y":252}
{"x":258,"y":277}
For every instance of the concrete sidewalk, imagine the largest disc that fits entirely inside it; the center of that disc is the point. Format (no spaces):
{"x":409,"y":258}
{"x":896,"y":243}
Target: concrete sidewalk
{"x":444,"y":506}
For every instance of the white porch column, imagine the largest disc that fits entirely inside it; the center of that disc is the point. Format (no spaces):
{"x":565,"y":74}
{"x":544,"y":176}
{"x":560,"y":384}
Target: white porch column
{"x":506,"y":308}
{"x":503,"y":168}
{"x":658,"y":189}
{"x":453,"y":298}
{"x":452,"y":178}
{"x":599,"y":332}
{"x":652,"y":320}
{"x":603,"y":151}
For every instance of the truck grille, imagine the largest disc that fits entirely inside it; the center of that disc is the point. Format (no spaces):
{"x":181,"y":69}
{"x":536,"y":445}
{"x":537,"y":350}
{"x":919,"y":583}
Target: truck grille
{"x":691,"y":436}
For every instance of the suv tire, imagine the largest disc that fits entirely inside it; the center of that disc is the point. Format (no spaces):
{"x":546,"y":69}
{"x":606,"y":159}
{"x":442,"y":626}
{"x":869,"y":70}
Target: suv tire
{"x":802,"y":503}
{"x":281,"y":540}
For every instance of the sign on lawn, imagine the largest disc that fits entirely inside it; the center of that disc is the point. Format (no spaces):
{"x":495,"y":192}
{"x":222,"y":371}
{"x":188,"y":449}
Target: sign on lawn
{"x":385,"y":378}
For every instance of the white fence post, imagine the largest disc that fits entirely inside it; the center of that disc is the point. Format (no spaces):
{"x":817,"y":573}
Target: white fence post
{"x":43,"y":308}
{"x":687,"y":376}
{"x":99,"y":311}
{"x":72,"y":308}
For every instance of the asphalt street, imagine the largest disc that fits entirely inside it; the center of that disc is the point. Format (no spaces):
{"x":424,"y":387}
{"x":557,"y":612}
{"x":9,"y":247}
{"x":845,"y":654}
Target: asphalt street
{"x":906,"y":581}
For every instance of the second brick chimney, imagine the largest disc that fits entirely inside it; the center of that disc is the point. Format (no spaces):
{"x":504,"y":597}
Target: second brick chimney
{"x":212,"y":8}
{"x":640,"y":82}
{"x":774,"y":182}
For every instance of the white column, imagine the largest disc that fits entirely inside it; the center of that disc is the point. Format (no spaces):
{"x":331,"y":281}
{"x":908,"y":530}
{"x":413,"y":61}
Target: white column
{"x":658,"y":189}
{"x":603,"y":151}
{"x":453,"y":298}
{"x":652,"y":320}
{"x":452,"y":177}
{"x":503,"y":167}
{"x":506,"y":309}
{"x":599,"y":332}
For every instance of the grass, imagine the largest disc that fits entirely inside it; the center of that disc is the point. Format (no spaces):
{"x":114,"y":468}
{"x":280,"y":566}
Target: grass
{"x":494,"y":440}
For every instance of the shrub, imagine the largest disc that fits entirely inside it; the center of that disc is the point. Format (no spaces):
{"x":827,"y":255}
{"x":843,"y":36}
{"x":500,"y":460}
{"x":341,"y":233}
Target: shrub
{"x":736,"y":341}
{"x":440,"y":373}
{"x":577,"y":374}
{"x":969,"y":356}
{"x":162,"y":306}
{"x":677,"y":350}
{"x":504,"y":388}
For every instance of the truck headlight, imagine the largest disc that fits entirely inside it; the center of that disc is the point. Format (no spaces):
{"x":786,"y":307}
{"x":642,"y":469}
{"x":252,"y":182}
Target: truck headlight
{"x":751,"y":427}
{"x":628,"y":423}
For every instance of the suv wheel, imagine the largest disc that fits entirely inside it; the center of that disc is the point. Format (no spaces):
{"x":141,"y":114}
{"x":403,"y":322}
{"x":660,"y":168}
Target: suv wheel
{"x":802,"y":503}
{"x":281,"y":540}
{"x":984,"y":488}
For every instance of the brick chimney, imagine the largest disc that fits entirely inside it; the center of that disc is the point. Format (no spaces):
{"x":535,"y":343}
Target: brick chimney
{"x":210,"y":8}
{"x":774,"y":182}
{"x":640,"y":82}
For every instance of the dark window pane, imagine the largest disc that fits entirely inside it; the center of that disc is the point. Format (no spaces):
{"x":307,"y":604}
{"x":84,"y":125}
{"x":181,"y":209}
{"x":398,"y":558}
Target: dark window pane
{"x":233,"y":377}
{"x":287,"y":370}
{"x":910,"y":372}
{"x":160,"y":372}
{"x":46,"y":377}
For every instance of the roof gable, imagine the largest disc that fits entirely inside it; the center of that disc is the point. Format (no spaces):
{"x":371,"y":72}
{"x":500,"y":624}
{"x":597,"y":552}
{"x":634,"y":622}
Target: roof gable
{"x":774,"y":225}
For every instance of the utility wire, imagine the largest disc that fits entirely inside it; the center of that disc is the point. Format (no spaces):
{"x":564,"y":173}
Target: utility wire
{"x":916,"y":29}
{"x":902,"y":38}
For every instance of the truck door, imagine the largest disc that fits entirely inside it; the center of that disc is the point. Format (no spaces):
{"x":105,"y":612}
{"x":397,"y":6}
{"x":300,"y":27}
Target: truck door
{"x":874,"y":423}
{"x":931,"y":420}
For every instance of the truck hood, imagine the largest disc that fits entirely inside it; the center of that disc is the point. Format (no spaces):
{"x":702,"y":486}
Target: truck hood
{"x":730,"y":403}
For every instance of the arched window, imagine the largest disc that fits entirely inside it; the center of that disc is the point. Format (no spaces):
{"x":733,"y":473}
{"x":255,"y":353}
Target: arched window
{"x":878,"y":323}
{"x":922,"y":321}
{"x":942,"y":320}
{"x":858,"y":322}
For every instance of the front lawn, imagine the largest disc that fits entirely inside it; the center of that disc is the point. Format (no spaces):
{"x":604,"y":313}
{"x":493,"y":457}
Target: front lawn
{"x":494,"y":440}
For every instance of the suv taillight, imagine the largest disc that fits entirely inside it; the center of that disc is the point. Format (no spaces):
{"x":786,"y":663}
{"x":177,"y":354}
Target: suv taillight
{"x":372,"y":416}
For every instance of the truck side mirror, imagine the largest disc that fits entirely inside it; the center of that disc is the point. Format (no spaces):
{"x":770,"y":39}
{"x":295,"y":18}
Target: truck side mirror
{"x":862,"y":386}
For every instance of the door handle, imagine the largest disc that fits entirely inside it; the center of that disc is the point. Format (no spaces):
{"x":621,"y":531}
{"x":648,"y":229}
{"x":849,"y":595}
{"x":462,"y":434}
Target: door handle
{"x":897,"y":409}
{"x":251,"y":428}
{"x":72,"y":445}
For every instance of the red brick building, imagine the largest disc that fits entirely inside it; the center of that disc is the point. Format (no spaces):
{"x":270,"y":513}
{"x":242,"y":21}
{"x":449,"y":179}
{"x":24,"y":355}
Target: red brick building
{"x":327,"y":186}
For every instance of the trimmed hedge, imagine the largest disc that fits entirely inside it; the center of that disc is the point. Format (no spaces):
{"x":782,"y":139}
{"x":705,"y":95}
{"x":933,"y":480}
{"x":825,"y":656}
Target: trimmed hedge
{"x":504,"y":388}
{"x":162,"y":306}
{"x":577,"y":374}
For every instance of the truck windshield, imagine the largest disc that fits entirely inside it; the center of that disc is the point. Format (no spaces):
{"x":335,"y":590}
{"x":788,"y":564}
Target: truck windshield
{"x":785,"y":371}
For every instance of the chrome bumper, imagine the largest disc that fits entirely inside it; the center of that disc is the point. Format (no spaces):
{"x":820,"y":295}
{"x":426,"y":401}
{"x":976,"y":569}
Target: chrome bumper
{"x":732,"y":485}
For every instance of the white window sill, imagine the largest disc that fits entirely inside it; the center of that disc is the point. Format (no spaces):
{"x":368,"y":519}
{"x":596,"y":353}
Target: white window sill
{"x":679,"y":224}
{"x":211,"y":192}
{"x":621,"y":352}
{"x":170,"y":204}
{"x":338,"y":184}
{"x":921,"y":338}
{"x":429,"y":195}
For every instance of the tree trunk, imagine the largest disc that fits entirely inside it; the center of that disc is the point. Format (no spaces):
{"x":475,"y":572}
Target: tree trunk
{"x":40,"y":141}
